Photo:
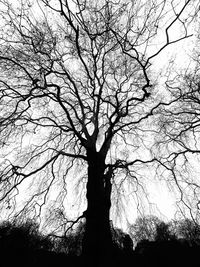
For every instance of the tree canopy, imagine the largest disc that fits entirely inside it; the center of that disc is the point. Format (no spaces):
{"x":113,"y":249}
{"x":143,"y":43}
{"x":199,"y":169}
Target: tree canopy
{"x":81,"y":105}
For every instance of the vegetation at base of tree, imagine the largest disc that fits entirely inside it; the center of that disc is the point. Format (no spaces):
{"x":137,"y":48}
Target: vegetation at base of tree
{"x":176,"y":243}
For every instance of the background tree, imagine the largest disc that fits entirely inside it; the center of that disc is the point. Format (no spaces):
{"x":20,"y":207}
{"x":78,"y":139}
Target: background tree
{"x":164,"y":232}
{"x":22,"y":237}
{"x":77,"y":96}
{"x":144,"y":228}
{"x":22,"y":243}
{"x":151,"y":228}
{"x":188,"y":230}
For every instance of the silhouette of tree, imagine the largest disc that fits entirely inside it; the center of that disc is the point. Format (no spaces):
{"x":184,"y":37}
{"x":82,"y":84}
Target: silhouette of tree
{"x":121,"y":240}
{"x":144,"y":228}
{"x":188,"y":230}
{"x":22,"y":244}
{"x":77,"y":96}
{"x":149,"y":229}
{"x":23,"y":236}
{"x":164,"y":232}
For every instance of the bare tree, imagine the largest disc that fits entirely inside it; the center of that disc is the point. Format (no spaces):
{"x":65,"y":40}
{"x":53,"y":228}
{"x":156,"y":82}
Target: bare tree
{"x":188,"y":230}
{"x":144,"y":228}
{"x":76,"y":96}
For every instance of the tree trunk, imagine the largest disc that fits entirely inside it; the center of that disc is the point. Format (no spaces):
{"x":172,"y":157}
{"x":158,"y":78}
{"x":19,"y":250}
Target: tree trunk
{"x":97,"y":243}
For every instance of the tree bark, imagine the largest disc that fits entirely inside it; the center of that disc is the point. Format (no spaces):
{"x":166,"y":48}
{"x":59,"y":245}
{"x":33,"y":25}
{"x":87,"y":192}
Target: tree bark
{"x":97,"y":243}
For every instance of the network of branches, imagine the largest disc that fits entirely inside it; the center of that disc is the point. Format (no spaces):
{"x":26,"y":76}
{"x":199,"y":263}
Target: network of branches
{"x":79,"y":74}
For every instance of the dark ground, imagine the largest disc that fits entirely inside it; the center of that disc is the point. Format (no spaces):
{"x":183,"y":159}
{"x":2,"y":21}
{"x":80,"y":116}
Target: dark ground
{"x":162,"y":254}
